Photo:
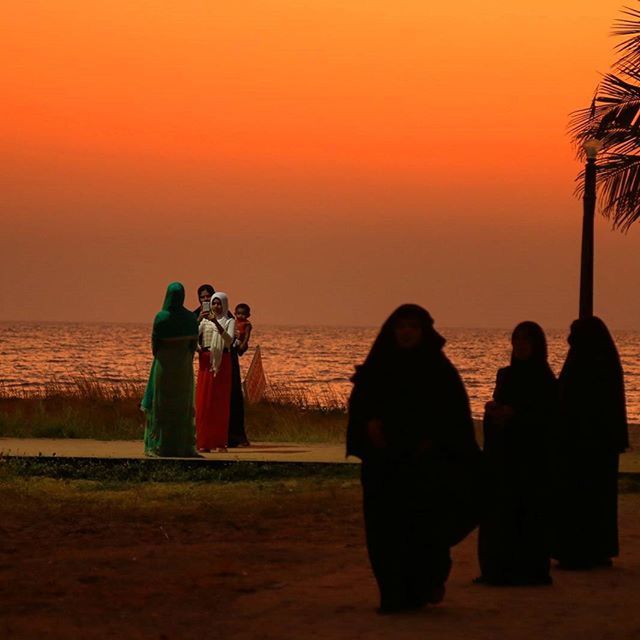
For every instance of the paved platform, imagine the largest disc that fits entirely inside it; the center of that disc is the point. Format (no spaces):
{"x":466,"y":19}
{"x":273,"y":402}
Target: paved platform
{"x":134,"y":450}
{"x":257,"y":452}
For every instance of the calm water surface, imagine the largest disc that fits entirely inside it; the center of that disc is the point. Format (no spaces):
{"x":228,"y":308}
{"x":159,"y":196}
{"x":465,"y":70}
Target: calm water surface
{"x":32,"y":354}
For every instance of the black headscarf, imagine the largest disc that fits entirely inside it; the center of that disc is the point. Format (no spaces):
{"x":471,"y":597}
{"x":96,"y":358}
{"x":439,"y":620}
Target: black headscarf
{"x":385,"y":352}
{"x":430,"y":458}
{"x":416,"y":392}
{"x":535,"y":334}
{"x":592,"y":387}
{"x":529,"y":387}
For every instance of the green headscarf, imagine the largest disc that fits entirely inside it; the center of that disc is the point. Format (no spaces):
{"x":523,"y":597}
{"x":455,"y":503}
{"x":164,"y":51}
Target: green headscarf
{"x":174,"y":321}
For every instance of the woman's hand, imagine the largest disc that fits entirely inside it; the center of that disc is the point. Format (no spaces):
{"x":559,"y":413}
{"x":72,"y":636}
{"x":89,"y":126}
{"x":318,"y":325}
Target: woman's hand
{"x":203,"y":315}
{"x":376,"y":434}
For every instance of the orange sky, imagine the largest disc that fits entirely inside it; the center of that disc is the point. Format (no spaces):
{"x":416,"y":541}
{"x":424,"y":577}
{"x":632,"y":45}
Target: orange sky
{"x":322,"y":160}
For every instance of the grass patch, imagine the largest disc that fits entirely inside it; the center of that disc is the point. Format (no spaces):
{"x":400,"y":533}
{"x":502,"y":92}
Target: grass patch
{"x":81,"y":408}
{"x":121,"y":419}
{"x":125,"y":500}
{"x":167,"y":471}
{"x":274,"y":422}
{"x":71,"y":417}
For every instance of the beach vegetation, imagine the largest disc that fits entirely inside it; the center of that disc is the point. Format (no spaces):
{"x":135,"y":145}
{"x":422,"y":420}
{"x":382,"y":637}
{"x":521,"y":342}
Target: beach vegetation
{"x":81,"y":407}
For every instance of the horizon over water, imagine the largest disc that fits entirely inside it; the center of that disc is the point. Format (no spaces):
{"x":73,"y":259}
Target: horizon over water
{"x":34,"y":353}
{"x":296,"y":325}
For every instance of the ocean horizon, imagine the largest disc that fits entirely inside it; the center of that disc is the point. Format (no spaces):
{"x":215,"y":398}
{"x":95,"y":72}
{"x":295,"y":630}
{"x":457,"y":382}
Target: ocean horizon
{"x":313,"y":358}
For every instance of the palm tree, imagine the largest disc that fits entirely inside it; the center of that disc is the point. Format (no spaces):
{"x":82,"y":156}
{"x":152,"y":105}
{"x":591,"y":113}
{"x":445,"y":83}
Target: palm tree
{"x":611,"y":127}
{"x":614,"y":119}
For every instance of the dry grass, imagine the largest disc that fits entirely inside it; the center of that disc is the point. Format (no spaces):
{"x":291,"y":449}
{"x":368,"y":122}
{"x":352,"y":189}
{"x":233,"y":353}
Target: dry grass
{"x":82,"y":388}
{"x":85,"y":408}
{"x":323,"y":398}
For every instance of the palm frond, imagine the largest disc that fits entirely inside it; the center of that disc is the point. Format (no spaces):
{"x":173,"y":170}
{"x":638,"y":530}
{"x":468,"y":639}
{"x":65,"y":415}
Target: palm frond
{"x":614,"y":119}
{"x":629,"y":28}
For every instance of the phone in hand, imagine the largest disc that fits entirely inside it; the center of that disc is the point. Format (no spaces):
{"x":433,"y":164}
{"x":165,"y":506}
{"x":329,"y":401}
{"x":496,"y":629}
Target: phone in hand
{"x":206,"y":306}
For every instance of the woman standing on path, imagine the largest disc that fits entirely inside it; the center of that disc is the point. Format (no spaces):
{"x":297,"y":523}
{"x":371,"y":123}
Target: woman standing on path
{"x":592,"y":435}
{"x":410,"y":423}
{"x":168,"y":399}
{"x":237,"y":434}
{"x":513,"y":541}
{"x":213,"y":391}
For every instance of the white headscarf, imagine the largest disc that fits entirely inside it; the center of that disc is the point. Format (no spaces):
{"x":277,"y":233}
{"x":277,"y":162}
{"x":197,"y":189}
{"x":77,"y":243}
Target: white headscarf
{"x":221,"y":340}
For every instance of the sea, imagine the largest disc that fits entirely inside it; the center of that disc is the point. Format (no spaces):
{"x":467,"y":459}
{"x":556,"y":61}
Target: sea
{"x":315,"y":359}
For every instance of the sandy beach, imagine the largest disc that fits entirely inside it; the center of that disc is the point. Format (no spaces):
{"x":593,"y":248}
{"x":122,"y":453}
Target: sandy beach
{"x":270,"y":561}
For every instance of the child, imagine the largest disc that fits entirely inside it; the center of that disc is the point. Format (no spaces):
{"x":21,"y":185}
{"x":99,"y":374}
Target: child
{"x":243,"y":327}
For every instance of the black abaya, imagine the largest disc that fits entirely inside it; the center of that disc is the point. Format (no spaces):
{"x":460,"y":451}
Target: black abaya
{"x":419,"y":489}
{"x":237,"y":434}
{"x":514,"y":540}
{"x":592,"y":434}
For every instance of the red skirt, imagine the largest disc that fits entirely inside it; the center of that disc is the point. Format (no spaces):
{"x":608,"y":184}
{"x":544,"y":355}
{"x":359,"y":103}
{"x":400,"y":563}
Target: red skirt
{"x":213,"y":402}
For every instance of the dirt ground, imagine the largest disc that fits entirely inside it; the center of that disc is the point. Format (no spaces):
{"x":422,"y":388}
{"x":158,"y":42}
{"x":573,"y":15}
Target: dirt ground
{"x":268,"y":561}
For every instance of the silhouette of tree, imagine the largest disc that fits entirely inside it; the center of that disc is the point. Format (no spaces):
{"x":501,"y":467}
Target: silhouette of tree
{"x":614,"y":119}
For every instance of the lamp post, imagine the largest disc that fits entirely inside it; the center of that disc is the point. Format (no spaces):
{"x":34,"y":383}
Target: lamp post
{"x":591,"y":148}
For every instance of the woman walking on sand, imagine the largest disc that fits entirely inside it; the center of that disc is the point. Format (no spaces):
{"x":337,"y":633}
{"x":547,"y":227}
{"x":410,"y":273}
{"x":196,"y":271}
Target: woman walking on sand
{"x":213,"y":391}
{"x":592,"y":435}
{"x":168,"y":399}
{"x":513,"y":541}
{"x":410,"y":423}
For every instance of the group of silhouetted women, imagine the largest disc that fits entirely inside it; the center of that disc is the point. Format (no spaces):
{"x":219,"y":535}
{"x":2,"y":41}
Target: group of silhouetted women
{"x":544,"y":486}
{"x":180,"y":422}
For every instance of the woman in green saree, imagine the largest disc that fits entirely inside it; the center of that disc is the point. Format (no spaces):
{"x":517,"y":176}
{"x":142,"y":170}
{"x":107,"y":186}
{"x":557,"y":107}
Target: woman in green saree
{"x":168,"y":399}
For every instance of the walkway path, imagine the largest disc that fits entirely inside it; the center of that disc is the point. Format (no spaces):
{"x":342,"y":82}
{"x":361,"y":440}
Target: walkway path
{"x":257,"y":452}
{"x":133,"y":450}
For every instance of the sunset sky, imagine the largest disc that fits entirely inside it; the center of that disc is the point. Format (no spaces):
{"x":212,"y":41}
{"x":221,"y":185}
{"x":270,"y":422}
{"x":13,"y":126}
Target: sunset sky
{"x":322,"y":160}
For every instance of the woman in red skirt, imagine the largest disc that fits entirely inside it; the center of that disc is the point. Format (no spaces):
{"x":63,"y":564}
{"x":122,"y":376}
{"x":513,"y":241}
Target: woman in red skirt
{"x":213,"y":391}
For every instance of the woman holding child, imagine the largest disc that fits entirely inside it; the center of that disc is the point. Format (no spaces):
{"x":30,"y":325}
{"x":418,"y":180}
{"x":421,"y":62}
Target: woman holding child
{"x":213,"y":393}
{"x":410,"y":423}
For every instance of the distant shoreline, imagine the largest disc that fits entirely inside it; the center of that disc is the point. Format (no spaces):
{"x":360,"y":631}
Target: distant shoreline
{"x":268,"y":325}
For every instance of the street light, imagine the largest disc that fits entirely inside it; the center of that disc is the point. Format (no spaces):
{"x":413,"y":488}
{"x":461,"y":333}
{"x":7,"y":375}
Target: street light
{"x":591,"y":148}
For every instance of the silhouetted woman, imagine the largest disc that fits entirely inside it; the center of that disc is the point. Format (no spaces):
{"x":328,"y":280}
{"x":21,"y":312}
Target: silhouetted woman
{"x":168,"y":399}
{"x":514,"y":541}
{"x":410,"y":423}
{"x":593,"y":433}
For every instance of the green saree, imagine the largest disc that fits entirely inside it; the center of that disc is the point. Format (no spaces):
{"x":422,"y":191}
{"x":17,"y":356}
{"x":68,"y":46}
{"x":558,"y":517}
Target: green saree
{"x":169,"y":396}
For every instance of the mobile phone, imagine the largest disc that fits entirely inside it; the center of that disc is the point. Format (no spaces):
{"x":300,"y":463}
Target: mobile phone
{"x":206,"y":306}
